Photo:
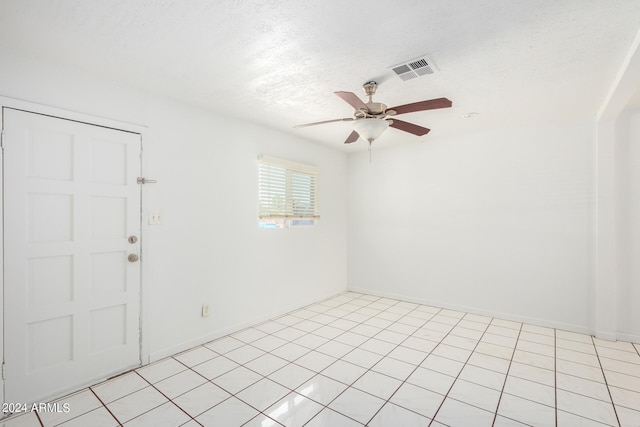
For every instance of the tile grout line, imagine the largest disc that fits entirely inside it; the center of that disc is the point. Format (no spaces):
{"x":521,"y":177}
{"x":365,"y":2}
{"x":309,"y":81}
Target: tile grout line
{"x":433,"y":419}
{"x":207,"y":380}
{"x":289,"y":362}
{"x":506,"y":376}
{"x":396,"y":346}
{"x":368,"y":337}
{"x":105,"y":406}
{"x":234,"y":395}
{"x":369,"y":369}
{"x":615,"y":411}
{"x":403,"y":382}
{"x":635,"y":347}
{"x":453,"y":327}
{"x":563,"y":359}
{"x":293,"y":361}
{"x":188,"y":368}
{"x":39,"y":419}
{"x":355,"y":380}
{"x":165,"y":396}
{"x":555,"y":373}
{"x":84,"y":413}
{"x":342,"y":314}
{"x":347,"y":330}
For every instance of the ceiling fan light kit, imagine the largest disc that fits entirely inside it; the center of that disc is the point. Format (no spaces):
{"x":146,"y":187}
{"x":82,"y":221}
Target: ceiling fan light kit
{"x":371,"y":119}
{"x":370,"y":129}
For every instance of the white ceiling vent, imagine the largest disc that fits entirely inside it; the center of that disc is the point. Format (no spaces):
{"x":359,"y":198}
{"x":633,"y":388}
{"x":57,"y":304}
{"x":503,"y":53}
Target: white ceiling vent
{"x":414,"y":68}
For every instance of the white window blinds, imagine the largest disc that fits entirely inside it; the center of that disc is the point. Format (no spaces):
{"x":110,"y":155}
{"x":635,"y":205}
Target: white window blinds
{"x":287,"y":190}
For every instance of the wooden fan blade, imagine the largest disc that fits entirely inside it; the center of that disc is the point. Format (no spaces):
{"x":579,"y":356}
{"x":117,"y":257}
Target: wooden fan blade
{"x":353,"y":100}
{"x":431,"y":104}
{"x":346,"y":119}
{"x":353,"y":137}
{"x":408,"y":127}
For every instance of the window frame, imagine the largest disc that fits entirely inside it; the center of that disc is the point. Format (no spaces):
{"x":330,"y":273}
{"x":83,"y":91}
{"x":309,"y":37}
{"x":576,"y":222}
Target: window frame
{"x":287,"y":193}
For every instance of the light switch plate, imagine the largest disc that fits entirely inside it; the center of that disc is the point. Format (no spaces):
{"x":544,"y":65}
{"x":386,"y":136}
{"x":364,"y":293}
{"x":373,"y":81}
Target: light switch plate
{"x":155,"y":218}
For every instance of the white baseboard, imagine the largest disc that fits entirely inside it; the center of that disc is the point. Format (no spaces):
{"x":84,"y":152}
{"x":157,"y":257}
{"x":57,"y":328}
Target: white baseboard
{"x":629,"y":337}
{"x":606,"y":335}
{"x":186,"y":345}
{"x":474,"y":310}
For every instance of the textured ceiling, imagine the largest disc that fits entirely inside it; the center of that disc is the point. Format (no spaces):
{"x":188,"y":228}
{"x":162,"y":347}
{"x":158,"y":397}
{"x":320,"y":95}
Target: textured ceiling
{"x":278,"y":62}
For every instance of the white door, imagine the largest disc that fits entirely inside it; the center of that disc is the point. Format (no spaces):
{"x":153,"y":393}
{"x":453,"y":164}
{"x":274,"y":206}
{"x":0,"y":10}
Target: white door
{"x":71,"y":296}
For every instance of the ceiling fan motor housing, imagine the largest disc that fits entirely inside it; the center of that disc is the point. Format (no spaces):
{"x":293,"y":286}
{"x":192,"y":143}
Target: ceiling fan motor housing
{"x":376,"y":107}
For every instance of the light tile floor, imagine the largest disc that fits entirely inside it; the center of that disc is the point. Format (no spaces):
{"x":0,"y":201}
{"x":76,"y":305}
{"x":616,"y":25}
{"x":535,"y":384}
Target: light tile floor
{"x":357,"y":360}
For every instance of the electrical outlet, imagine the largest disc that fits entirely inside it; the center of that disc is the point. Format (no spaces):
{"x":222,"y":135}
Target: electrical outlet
{"x":205,"y":310}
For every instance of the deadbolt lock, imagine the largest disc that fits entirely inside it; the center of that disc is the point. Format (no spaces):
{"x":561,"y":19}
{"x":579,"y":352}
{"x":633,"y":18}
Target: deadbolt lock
{"x":133,"y":258}
{"x":132,"y":239}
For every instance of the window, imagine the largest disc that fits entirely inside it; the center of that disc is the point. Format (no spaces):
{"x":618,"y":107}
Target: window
{"x":287,"y":193}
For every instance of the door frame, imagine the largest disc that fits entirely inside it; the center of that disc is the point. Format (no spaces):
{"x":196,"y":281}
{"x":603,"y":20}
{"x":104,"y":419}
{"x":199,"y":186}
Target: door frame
{"x":31,"y":107}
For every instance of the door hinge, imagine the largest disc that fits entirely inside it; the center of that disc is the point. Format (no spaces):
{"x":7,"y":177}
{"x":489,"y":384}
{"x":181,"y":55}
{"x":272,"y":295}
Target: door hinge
{"x":3,"y":370}
{"x":141,"y":180}
{"x":2,"y":139}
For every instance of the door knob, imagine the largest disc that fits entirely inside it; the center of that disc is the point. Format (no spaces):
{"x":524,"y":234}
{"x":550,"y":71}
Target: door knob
{"x":133,"y":257}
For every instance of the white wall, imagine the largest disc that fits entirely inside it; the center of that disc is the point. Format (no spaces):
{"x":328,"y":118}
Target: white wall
{"x":628,"y":208}
{"x":209,"y":248}
{"x":496,"y":222}
{"x":617,"y":210}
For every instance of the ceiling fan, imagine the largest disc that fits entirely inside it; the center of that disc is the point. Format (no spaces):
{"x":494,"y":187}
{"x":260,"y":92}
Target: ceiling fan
{"x":373,"y":118}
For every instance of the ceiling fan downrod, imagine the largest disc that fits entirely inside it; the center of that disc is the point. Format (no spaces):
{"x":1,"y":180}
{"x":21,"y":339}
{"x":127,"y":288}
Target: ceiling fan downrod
{"x":369,"y":89}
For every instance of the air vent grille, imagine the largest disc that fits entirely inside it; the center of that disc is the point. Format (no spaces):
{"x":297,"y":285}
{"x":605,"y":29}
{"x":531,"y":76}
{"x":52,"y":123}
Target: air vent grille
{"x":414,"y":68}
{"x":404,"y":72}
